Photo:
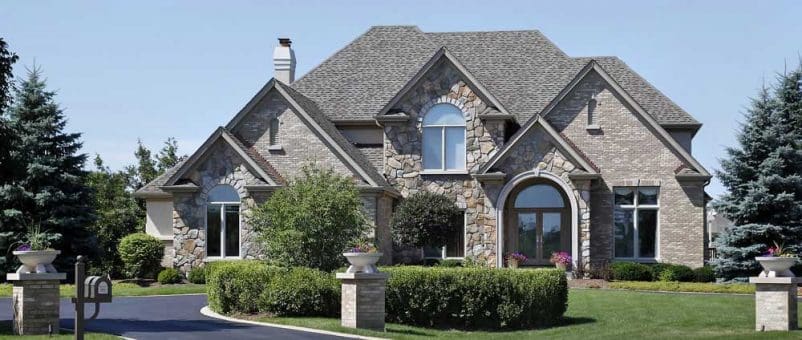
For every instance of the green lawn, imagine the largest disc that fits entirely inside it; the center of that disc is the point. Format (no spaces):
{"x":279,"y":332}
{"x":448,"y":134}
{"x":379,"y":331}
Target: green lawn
{"x":609,"y":314}
{"x":5,"y":333}
{"x":128,"y":289}
{"x":693,"y":287}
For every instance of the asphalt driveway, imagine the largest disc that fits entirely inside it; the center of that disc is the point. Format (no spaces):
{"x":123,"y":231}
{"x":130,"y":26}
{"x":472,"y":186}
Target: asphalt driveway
{"x":166,"y":317}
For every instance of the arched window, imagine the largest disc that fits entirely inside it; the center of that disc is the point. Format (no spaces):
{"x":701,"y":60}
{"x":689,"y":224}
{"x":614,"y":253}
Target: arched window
{"x":444,"y":139}
{"x":222,"y":222}
{"x":539,"y":196}
{"x":539,"y":218}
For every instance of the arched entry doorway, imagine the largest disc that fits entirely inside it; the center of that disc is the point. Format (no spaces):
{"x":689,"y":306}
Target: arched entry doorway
{"x":537,"y":216}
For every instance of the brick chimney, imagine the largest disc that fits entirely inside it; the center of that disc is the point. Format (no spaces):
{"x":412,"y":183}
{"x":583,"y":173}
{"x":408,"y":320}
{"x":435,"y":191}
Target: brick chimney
{"x":284,"y":61}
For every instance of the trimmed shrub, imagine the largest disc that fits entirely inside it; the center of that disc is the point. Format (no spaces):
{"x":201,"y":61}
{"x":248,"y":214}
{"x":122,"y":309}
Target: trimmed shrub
{"x":449,"y":263}
{"x":657,"y":269}
{"x":141,"y":255}
{"x":704,"y":274}
{"x":677,"y":272}
{"x":475,"y":297}
{"x":197,"y":275}
{"x":169,"y":276}
{"x":302,"y":292}
{"x":254,"y":287}
{"x":425,"y":219}
{"x":631,"y":271}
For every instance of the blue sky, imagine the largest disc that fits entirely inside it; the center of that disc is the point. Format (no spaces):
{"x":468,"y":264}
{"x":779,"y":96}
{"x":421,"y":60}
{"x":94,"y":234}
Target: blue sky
{"x":156,"y":69}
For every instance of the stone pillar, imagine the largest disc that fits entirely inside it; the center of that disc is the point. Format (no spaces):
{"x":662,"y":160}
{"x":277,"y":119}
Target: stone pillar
{"x":363,"y":300}
{"x":35,"y":301}
{"x":775,"y":303}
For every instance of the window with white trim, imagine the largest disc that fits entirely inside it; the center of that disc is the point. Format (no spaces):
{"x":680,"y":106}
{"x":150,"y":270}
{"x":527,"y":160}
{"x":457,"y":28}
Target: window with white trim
{"x":454,"y":249}
{"x":635,"y":223}
{"x":222,"y":222}
{"x":273,"y":133}
{"x":444,"y":139}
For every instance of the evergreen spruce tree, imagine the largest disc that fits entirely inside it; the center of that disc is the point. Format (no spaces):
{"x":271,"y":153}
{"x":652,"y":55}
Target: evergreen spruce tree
{"x":47,"y":188}
{"x":763,"y":180}
{"x":7,"y":59}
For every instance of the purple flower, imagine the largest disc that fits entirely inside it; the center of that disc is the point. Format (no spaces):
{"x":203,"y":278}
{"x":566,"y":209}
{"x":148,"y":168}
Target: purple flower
{"x":24,"y":247}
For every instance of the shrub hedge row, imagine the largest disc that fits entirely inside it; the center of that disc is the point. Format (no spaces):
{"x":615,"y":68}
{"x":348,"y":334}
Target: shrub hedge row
{"x":630,"y":271}
{"x":454,"y":297}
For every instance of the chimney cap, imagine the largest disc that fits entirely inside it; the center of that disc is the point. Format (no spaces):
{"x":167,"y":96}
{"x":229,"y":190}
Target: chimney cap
{"x":284,"y":42}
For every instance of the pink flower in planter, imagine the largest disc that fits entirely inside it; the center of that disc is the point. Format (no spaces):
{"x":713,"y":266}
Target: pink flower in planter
{"x":24,"y":247}
{"x":561,"y":257}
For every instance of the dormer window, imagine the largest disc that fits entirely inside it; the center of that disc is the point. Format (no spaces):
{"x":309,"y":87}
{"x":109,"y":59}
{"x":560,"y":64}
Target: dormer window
{"x":444,"y":139}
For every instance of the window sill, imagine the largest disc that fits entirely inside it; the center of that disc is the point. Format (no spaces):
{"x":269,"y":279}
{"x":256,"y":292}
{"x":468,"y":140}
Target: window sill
{"x":217,"y":258}
{"x":638,"y":260}
{"x":274,"y":148}
{"x":593,"y":127}
{"x":444,"y":172}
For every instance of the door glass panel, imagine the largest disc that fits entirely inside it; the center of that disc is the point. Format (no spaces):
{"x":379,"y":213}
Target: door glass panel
{"x":232,"y":230}
{"x":432,"y":148}
{"x":647,"y":232}
{"x":527,"y":234}
{"x":213,"y":230}
{"x":624,"y":233}
{"x":551,"y":234}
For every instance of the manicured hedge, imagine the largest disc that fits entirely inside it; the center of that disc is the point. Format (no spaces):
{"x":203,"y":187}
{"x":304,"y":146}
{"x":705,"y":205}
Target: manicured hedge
{"x":253,"y":287}
{"x":169,"y":276}
{"x":704,"y":274}
{"x":141,"y":255}
{"x":677,"y":273}
{"x":631,"y":271}
{"x":475,"y":297}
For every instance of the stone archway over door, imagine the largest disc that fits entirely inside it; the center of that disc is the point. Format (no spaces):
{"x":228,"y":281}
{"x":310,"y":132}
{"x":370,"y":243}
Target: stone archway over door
{"x":537,"y":217}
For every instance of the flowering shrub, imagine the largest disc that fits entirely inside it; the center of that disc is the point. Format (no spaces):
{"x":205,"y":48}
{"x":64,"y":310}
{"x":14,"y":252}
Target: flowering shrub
{"x":778,"y":251}
{"x":516,"y":256}
{"x":363,"y":247}
{"x":560,"y":257}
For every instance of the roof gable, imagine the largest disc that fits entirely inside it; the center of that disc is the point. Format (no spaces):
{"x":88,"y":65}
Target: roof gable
{"x":199,"y":155}
{"x":467,"y":76}
{"x":560,"y":141}
{"x":311,"y":116}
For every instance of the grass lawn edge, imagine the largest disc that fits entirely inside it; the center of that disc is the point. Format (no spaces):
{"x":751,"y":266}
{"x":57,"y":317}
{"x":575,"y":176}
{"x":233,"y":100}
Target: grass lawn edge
{"x":206,"y":311}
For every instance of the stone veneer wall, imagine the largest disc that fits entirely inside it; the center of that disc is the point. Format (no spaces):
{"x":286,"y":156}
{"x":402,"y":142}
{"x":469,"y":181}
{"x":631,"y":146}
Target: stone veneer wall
{"x":402,"y":152}
{"x":630,"y":153}
{"x":223,"y":166}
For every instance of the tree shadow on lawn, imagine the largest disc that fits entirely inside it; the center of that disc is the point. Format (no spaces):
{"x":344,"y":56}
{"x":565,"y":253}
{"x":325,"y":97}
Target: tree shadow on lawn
{"x":563,"y":322}
{"x":122,"y":326}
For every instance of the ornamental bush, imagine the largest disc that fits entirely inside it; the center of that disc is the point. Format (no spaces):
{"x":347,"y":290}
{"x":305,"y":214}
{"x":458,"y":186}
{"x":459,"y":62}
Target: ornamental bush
{"x":169,"y":276}
{"x":254,"y":287}
{"x":677,"y":272}
{"x":197,"y":275}
{"x":631,"y":271}
{"x":141,"y":255}
{"x":310,"y":222}
{"x":475,"y":297}
{"x":704,"y":274}
{"x":425,"y":219}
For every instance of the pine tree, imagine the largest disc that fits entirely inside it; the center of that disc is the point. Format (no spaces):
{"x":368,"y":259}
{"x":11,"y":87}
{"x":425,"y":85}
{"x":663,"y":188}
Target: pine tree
{"x":763,"y":180}
{"x":168,"y":156}
{"x":118,"y":215}
{"x":7,"y":59}
{"x":145,"y":170}
{"x":47,"y":188}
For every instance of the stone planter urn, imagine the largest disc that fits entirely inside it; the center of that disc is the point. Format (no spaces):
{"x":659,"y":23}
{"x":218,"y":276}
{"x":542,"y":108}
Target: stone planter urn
{"x":512,"y":263}
{"x":362,"y":262}
{"x":774,"y":266}
{"x":36,"y":261}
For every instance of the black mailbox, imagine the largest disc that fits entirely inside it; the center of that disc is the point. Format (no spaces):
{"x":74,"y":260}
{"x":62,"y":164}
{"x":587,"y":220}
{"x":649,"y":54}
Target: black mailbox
{"x":97,"y":289}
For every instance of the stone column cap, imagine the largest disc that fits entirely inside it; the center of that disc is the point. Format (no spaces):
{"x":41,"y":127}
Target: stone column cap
{"x":35,"y":276}
{"x":774,"y":280}
{"x":362,"y":276}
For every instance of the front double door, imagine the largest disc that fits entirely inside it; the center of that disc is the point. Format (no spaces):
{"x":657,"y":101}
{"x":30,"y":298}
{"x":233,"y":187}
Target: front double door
{"x":538,"y":233}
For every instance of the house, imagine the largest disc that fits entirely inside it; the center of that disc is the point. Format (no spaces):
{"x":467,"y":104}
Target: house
{"x":542,"y":151}
{"x":717,"y":224}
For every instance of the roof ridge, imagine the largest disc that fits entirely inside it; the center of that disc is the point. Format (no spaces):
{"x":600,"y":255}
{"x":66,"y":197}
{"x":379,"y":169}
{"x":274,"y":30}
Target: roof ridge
{"x":494,"y":31}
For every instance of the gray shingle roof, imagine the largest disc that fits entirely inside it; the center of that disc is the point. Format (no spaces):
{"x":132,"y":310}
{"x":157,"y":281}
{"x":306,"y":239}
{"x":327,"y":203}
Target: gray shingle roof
{"x":523,"y":69}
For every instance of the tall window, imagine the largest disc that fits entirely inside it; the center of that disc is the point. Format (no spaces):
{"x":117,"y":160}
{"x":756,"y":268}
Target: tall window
{"x":444,"y":139}
{"x":222,"y":222}
{"x":455,"y":248}
{"x":636,"y":216}
{"x":273,"y":131}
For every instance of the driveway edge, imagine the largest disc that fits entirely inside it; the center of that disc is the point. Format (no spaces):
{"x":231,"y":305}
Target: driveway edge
{"x":206,"y":311}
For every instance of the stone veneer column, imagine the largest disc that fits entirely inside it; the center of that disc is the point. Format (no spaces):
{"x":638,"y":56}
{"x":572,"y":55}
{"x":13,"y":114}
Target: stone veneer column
{"x":35,"y":301}
{"x":363,"y":300}
{"x":775,"y":303}
{"x":583,"y":193}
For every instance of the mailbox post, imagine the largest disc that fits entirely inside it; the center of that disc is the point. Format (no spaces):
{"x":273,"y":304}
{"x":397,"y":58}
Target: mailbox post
{"x":90,"y":289}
